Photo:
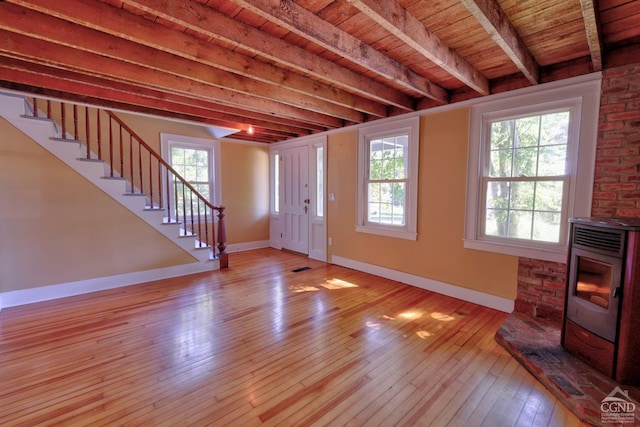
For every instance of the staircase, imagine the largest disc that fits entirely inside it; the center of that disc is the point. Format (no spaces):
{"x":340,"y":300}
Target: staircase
{"x":111,"y":156}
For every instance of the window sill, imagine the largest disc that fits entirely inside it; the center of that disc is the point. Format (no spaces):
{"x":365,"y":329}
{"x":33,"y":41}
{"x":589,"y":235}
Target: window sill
{"x":544,"y":254}
{"x":388,"y":232}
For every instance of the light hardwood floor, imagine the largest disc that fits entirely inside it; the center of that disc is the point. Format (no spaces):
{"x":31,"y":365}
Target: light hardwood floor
{"x":260,"y":345}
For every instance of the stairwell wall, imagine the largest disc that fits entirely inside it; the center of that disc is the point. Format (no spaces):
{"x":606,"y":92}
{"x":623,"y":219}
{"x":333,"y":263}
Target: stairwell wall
{"x":56,"y":227}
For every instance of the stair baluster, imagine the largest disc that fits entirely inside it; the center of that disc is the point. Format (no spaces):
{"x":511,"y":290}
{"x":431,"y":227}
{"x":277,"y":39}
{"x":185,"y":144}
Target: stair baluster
{"x":178,"y":203}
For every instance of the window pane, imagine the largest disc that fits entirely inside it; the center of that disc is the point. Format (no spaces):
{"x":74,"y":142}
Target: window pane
{"x":549,"y":196}
{"x":194,"y":166}
{"x":202,"y":159}
{"x":498,"y":195}
{"x":555,"y":128}
{"x":387,"y":158}
{"x":496,"y":222}
{"x":526,"y":160}
{"x":546,"y":226}
{"x":276,"y":183}
{"x":521,"y":196}
{"x":319,"y":181}
{"x":524,"y":209}
{"x":386,"y":203}
{"x":524,"y":149}
{"x":501,"y":163}
{"x":527,"y":131}
{"x":553,"y":160}
{"x":502,"y":135}
{"x":520,"y":224}
{"x":190,"y":173}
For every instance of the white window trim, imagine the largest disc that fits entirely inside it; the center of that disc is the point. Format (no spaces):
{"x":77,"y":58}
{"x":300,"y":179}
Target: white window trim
{"x":582,"y":95}
{"x":411,"y":126}
{"x":167,"y":140}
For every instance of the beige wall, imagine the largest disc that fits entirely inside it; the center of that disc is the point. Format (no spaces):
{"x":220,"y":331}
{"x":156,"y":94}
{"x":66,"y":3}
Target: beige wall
{"x":438,"y":254}
{"x":245,"y":191}
{"x":56,"y":227}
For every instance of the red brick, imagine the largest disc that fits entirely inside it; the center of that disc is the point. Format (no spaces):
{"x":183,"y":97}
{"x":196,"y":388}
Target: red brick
{"x":556,"y":285}
{"x":605,"y":196}
{"x":612,"y":108}
{"x":628,"y":212}
{"x":530,"y":281}
{"x":611,"y":125}
{"x":530,"y":296}
{"x":624,"y":116}
{"x":630,"y":195}
{"x":542,"y":290}
{"x":620,"y":186}
{"x":617,"y":204}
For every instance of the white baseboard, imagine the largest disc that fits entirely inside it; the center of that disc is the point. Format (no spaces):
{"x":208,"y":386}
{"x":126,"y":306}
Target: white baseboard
{"x":247,"y":246}
{"x":470,"y":295}
{"x":51,"y":292}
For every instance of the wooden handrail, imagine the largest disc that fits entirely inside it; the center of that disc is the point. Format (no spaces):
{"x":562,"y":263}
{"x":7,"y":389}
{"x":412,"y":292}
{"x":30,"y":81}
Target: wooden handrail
{"x":116,"y":160}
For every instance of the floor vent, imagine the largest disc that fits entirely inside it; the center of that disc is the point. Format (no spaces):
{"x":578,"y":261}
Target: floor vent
{"x":298,"y":270}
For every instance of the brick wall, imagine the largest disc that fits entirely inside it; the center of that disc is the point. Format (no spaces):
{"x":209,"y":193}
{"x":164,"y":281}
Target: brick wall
{"x":616,"y":191}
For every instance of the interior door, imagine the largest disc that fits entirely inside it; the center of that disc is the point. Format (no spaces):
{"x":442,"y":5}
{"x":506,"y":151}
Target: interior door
{"x":294,"y":199}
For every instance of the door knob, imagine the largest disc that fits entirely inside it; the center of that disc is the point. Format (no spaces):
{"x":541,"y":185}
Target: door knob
{"x":307,"y":201}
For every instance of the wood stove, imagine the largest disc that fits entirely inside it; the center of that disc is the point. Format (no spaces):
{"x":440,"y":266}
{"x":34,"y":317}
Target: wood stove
{"x":601,"y":322}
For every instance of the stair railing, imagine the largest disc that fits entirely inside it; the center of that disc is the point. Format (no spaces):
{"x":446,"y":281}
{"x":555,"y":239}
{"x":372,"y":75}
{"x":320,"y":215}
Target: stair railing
{"x":107,"y":138}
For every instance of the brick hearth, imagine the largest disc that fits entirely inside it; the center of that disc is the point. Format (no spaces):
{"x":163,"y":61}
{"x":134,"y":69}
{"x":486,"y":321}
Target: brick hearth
{"x":535,"y":343}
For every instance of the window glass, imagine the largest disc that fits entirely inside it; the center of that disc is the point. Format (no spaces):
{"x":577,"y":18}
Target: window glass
{"x":388,"y":167}
{"x":195,"y":166}
{"x":531,"y":167}
{"x":319,"y":181}
{"x":526,"y":182}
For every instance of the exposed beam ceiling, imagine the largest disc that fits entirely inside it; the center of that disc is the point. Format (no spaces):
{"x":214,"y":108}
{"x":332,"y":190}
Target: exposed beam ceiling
{"x":290,"y":68}
{"x":592,"y":27}
{"x":403,"y":25}
{"x":490,"y":15}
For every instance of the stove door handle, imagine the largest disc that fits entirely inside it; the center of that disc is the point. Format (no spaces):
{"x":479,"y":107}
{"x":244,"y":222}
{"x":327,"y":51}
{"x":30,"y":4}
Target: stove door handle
{"x":616,"y":292}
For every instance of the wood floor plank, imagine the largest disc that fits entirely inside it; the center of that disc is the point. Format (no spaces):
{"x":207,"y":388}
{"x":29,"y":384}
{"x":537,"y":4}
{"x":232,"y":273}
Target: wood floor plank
{"x":261,"y":345}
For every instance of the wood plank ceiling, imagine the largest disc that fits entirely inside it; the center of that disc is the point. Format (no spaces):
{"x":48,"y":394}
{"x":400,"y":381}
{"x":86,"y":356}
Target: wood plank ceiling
{"x":293,"y":68}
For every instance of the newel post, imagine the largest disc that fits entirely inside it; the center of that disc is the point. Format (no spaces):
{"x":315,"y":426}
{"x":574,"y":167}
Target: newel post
{"x":222,"y":238}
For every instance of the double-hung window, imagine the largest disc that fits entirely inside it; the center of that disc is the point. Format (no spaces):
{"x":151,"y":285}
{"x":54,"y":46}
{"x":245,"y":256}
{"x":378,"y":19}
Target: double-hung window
{"x":531,"y":169}
{"x":195,"y":160}
{"x":388,"y":175}
{"x":526,"y":181}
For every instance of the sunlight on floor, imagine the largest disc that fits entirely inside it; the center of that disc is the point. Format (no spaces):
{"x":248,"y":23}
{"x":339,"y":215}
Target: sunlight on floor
{"x":330,"y":284}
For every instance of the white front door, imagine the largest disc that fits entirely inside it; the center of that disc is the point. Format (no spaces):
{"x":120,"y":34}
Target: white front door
{"x":294,"y":198}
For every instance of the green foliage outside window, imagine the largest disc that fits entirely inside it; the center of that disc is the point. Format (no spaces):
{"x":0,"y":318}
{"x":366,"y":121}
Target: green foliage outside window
{"x":527,"y":177}
{"x":387,"y":183}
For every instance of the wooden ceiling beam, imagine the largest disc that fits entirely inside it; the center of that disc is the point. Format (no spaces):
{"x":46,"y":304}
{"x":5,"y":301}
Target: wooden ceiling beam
{"x":295,"y":18}
{"x":592,"y":27}
{"x":67,"y":58}
{"x":212,"y":24}
{"x":72,"y":91}
{"x":238,"y":72}
{"x":55,"y":82}
{"x":398,"y":21}
{"x":496,"y":23}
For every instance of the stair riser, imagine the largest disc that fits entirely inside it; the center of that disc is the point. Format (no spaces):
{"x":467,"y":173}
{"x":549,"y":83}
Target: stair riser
{"x":42,"y":131}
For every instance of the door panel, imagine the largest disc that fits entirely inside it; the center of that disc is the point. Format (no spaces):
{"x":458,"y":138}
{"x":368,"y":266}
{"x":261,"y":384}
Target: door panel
{"x":294,"y":198}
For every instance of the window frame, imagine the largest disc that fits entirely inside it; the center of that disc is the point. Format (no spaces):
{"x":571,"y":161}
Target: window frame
{"x":169,"y":141}
{"x":581,"y":97}
{"x":411,"y":127}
